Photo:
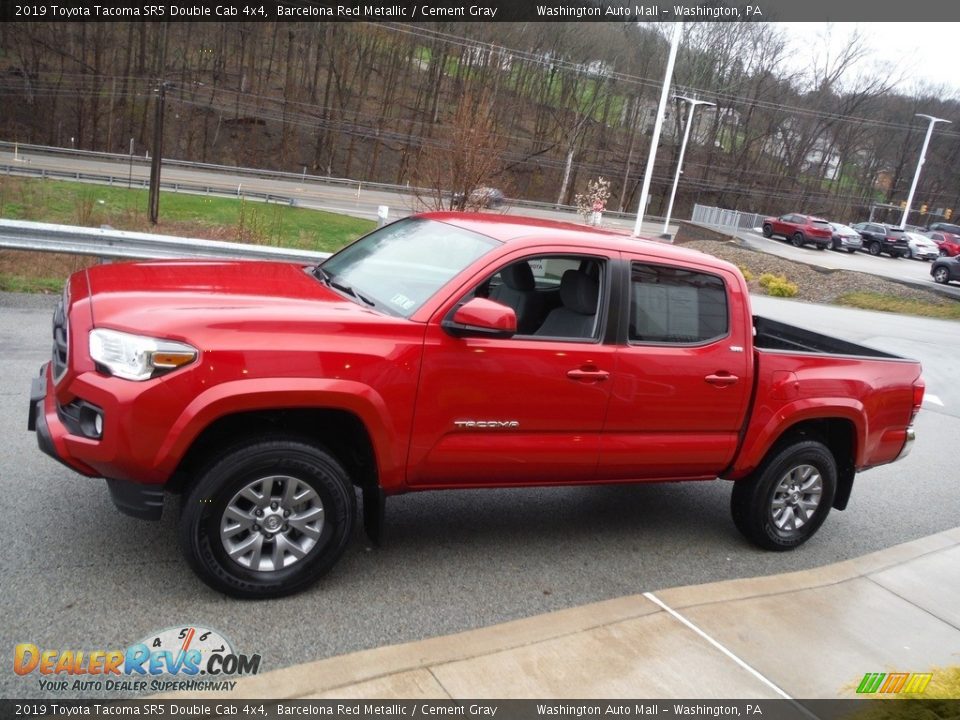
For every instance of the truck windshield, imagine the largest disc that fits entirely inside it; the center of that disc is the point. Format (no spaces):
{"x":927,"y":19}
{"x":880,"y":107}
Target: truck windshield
{"x":398,"y":267}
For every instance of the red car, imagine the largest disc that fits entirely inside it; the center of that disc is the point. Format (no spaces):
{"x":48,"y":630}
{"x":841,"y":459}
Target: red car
{"x":800,"y":230}
{"x":448,"y":350}
{"x":948,"y":243}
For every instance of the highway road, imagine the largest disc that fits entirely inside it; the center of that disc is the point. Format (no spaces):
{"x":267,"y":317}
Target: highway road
{"x":78,"y":575}
{"x":354,"y":199}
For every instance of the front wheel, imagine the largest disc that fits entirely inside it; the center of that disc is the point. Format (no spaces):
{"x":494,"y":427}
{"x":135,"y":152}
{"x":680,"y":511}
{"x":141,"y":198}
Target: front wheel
{"x":875,"y":248}
{"x":268,"y":519}
{"x":787,"y":499}
{"x":941,"y":275}
{"x":768,"y":231}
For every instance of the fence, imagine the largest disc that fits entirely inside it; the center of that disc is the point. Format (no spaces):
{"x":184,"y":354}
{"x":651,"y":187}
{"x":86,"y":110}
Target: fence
{"x":718,"y":217}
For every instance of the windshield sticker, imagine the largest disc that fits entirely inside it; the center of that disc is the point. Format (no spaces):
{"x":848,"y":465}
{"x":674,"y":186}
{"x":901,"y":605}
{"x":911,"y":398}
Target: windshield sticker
{"x":402,"y":301}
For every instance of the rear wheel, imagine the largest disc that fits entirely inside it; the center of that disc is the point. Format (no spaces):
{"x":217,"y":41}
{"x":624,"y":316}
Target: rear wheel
{"x":787,"y":499}
{"x":941,"y":275}
{"x":797,"y":239}
{"x":268,"y":519}
{"x":768,"y":231}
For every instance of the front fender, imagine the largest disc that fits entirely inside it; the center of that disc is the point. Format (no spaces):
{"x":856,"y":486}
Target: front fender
{"x":231,"y":398}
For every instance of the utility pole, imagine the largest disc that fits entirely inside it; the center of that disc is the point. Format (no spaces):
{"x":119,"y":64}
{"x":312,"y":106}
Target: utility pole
{"x":154,"y":199}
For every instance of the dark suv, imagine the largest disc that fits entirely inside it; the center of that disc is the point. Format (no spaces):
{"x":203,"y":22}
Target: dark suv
{"x":879,"y":238}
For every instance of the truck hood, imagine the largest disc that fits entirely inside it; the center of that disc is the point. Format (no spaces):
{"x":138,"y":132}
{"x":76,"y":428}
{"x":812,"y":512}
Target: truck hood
{"x":168,"y":298}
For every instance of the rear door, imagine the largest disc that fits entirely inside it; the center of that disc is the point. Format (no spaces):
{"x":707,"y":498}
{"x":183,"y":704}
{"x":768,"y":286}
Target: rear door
{"x":683,"y":377}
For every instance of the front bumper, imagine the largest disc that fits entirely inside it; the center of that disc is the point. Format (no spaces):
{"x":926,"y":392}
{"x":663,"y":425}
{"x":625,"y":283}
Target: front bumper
{"x":135,"y":499}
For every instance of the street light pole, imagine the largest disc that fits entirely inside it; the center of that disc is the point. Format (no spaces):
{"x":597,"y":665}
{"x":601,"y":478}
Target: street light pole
{"x":683,"y":149}
{"x":657,"y":125}
{"x":923,"y":157}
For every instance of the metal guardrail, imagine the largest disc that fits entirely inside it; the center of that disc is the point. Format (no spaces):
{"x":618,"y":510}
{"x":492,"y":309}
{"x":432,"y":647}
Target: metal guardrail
{"x":141,"y":183}
{"x":301,"y":178}
{"x":120,"y":244}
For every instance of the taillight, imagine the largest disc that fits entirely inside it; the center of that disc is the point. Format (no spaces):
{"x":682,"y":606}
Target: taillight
{"x":918,"y":389}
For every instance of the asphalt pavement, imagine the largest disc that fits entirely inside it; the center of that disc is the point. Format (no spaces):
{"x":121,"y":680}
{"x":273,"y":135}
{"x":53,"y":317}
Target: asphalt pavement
{"x":78,"y":575}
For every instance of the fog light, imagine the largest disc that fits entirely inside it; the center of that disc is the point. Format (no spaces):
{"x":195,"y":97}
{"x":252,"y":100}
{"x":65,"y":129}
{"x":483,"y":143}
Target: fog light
{"x":91,"y":421}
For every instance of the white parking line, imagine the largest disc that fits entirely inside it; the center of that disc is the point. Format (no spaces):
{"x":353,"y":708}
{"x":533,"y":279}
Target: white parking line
{"x":932,"y":399}
{"x":769,"y":683}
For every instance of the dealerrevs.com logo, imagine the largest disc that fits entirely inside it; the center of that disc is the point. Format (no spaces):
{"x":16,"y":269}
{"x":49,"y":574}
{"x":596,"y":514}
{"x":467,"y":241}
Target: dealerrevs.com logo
{"x":188,"y":658}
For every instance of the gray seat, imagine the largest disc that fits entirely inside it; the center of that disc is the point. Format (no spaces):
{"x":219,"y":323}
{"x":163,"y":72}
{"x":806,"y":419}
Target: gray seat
{"x":576,"y":317}
{"x":518,"y":291}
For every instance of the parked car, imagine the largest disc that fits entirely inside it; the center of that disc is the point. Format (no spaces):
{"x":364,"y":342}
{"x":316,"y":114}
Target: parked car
{"x":945,"y":269}
{"x":393,"y":367}
{"x":944,"y":227}
{"x":921,"y":247}
{"x":800,"y":230}
{"x":845,"y":238}
{"x":947,"y":243}
{"x":879,"y":238}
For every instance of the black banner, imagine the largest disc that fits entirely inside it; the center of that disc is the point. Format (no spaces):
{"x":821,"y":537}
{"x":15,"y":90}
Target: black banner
{"x":418,"y":11}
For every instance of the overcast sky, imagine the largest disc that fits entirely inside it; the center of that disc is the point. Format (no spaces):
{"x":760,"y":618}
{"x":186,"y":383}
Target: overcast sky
{"x":927,"y":53}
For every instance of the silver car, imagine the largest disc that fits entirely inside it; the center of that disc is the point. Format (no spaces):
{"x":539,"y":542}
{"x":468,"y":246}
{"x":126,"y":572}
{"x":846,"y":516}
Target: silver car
{"x":921,"y":247}
{"x":845,"y":238}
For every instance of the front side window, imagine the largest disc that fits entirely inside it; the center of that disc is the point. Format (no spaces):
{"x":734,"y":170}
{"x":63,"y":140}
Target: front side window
{"x":553,"y":296}
{"x":399,"y":267}
{"x":676,"y":305}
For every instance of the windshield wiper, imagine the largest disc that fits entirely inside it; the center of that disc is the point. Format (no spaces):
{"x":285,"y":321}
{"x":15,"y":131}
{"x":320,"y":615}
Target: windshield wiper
{"x":319,"y":272}
{"x":343,"y":287}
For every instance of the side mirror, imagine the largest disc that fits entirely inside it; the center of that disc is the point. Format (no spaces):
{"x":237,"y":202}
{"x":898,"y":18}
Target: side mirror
{"x":482,"y":318}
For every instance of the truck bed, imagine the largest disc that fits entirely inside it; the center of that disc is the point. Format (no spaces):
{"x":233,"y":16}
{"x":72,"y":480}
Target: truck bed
{"x":773,"y":335}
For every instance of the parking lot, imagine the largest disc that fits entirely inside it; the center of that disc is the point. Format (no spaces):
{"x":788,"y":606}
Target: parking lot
{"x":78,"y":575}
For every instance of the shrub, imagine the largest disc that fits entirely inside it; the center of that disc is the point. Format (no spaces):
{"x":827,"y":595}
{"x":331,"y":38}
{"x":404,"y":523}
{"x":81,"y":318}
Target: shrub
{"x":778,"y":285}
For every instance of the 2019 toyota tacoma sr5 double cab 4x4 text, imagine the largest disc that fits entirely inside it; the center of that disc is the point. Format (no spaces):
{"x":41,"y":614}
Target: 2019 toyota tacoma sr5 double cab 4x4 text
{"x":449,"y":350}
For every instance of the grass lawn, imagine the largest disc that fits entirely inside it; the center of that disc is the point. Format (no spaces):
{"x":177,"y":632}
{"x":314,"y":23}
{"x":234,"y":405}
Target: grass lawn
{"x":199,"y":216}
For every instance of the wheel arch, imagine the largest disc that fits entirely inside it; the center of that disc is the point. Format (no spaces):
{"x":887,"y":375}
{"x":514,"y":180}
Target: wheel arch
{"x":839,"y":434}
{"x":340,"y":432}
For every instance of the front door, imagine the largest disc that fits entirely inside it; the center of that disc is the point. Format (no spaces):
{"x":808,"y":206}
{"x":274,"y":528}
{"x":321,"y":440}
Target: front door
{"x":525,"y":409}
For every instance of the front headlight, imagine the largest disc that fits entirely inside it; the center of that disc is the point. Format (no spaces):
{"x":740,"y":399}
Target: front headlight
{"x":136,"y":357}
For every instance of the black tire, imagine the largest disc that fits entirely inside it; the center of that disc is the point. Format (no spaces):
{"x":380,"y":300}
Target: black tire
{"x":797,"y":239}
{"x":941,"y":275}
{"x":316,"y":475}
{"x":874,"y":248}
{"x":821,"y":247}
{"x":768,"y":231}
{"x":851,"y":250}
{"x":909,"y":254}
{"x":943,"y":253}
{"x":754,"y":499}
{"x":835,"y":244}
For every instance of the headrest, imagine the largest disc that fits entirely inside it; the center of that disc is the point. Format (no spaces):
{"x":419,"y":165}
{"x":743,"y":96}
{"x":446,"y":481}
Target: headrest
{"x":579,"y":292}
{"x":518,"y":276}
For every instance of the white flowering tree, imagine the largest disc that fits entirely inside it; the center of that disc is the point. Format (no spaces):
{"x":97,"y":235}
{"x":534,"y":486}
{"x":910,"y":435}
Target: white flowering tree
{"x":593,"y":202}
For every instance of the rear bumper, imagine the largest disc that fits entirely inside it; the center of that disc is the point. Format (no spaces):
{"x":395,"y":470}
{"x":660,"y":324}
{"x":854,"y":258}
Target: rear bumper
{"x":908,"y":443}
{"x":135,"y":499}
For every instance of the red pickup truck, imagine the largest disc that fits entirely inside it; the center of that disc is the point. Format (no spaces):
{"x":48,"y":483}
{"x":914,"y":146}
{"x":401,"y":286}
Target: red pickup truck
{"x":449,"y":350}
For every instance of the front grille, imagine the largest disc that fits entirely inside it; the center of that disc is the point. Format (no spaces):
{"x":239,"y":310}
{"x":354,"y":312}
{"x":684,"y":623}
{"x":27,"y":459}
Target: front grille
{"x":61,"y":338}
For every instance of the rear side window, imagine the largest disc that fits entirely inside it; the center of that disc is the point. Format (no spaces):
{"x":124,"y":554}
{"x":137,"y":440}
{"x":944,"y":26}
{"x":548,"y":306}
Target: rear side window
{"x":676,"y":305}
